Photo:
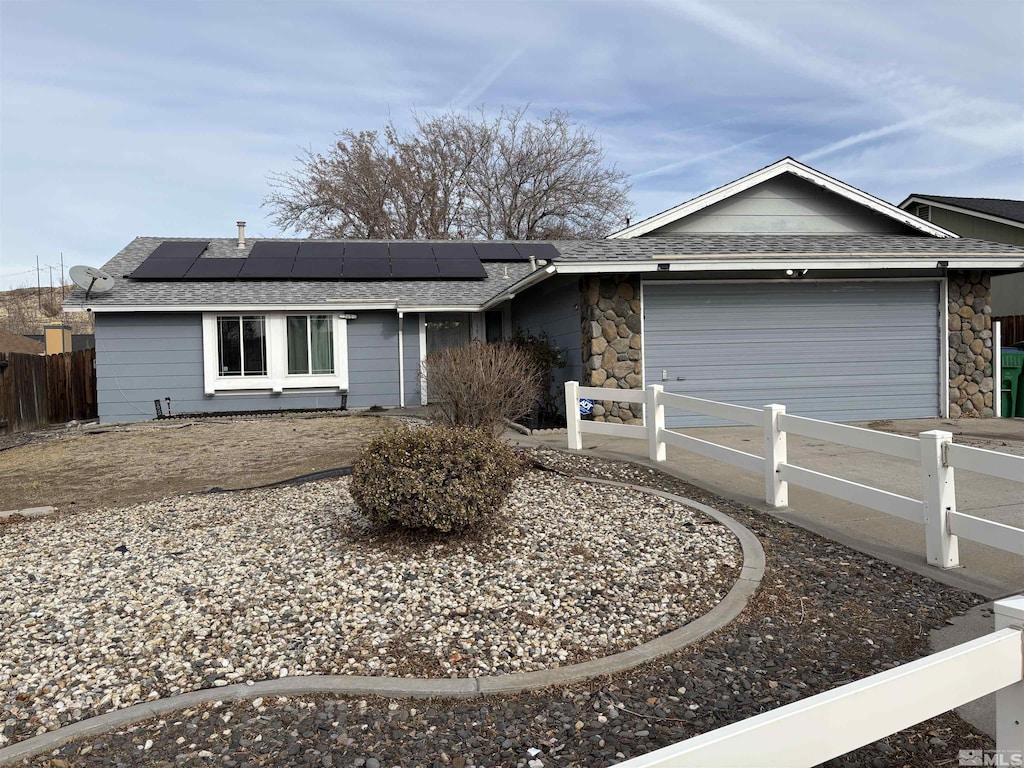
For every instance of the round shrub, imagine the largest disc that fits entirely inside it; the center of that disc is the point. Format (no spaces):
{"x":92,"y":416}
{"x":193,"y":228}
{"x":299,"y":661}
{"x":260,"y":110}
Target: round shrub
{"x":441,"y":478}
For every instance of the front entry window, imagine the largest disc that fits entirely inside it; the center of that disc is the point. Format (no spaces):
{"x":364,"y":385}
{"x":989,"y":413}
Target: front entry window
{"x":446,"y":330}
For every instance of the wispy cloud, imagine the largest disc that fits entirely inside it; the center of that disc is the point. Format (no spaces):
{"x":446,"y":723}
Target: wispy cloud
{"x":874,"y":134}
{"x":469,"y":95}
{"x":701,"y":158}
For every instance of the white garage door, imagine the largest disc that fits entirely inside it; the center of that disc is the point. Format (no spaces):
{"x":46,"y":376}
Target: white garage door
{"x":842,"y":351}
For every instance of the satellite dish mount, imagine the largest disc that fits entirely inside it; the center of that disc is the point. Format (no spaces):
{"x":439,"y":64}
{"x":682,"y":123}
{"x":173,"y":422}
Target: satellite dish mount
{"x":93,"y":280}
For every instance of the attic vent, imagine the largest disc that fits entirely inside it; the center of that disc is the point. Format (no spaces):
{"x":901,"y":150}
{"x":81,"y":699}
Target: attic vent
{"x":923,"y":212}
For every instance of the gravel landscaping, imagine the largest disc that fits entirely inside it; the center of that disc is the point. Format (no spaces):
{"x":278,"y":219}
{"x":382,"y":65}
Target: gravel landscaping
{"x":824,"y":615}
{"x":112,"y":608}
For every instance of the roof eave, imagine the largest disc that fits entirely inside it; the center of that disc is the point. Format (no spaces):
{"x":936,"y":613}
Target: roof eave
{"x":924,"y":200}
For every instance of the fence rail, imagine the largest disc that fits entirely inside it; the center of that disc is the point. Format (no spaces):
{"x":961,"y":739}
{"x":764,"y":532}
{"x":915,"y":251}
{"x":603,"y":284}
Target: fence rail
{"x":822,"y":727}
{"x":36,"y":390}
{"x":830,"y":724}
{"x":934,"y":451}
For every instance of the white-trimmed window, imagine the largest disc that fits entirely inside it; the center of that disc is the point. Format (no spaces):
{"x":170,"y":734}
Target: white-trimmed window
{"x":274,"y":351}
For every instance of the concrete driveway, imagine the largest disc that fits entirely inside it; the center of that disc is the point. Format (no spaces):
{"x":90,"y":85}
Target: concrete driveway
{"x":985,"y":570}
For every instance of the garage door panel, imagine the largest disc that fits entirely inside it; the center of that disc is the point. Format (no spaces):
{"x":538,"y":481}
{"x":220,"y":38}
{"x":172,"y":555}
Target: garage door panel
{"x":850,"y":351}
{"x":707,"y":342}
{"x":797,"y":375}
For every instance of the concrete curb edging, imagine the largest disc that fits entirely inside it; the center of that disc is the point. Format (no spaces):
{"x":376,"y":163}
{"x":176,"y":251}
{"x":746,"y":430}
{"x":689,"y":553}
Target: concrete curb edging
{"x":722,"y":614}
{"x":29,"y":513}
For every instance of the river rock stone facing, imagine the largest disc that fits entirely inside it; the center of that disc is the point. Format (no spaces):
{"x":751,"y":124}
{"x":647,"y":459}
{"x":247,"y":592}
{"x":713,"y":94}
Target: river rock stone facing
{"x":612,"y":347}
{"x":971,"y":384}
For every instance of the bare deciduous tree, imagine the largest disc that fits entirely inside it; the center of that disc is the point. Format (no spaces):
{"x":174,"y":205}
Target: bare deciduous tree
{"x":455,"y":176}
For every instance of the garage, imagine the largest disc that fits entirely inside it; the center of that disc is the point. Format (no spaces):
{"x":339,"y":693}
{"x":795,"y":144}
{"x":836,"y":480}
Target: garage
{"x":835,"y":350}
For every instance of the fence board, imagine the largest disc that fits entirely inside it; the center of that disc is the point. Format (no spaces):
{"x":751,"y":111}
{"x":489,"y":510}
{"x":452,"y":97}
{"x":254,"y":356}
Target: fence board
{"x":986,"y":462}
{"x":822,"y":727}
{"x":37,"y":390}
{"x":714,"y":451}
{"x":1011,"y":329}
{"x":873,"y":498}
{"x":856,"y":437}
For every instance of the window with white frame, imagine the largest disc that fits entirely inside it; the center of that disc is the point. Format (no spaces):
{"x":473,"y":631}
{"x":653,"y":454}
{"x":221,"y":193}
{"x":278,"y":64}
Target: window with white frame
{"x":241,"y":345}
{"x":310,"y":345}
{"x":274,"y":351}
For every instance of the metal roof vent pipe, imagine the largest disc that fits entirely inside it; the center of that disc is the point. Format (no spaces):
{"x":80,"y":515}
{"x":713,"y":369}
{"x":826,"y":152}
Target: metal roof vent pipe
{"x":533,"y":263}
{"x":241,"y":233}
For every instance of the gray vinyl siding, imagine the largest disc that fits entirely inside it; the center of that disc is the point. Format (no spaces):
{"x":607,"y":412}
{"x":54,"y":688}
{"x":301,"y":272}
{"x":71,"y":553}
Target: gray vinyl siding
{"x":785,"y":205}
{"x":552,"y":308}
{"x":142,"y":357}
{"x":837,"y":351}
{"x":373,"y":359}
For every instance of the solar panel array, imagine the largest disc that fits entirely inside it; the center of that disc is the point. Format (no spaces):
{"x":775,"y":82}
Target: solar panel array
{"x":276,"y":260}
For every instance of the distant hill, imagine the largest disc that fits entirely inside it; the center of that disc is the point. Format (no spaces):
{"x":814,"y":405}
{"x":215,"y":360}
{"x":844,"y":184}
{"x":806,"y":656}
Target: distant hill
{"x":26,"y":311}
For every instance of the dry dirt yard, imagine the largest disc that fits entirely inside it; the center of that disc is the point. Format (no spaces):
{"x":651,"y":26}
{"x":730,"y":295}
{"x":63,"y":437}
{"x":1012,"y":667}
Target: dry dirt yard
{"x":121,"y":465}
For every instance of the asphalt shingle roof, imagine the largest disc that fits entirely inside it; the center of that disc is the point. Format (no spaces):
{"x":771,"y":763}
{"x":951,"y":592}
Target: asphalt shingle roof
{"x":284,"y":292}
{"x":14,"y":342}
{"x":993,"y":206}
{"x":504,"y":275}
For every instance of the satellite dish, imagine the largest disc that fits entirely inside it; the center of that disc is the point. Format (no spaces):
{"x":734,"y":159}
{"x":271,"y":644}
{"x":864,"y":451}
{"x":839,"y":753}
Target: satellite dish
{"x":93,"y":280}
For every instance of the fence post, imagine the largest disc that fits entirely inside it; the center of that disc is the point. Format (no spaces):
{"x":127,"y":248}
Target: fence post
{"x":942,"y":547}
{"x":1010,"y":700}
{"x":572,"y":415}
{"x":997,"y":371}
{"x":776,"y":490}
{"x":655,"y":411}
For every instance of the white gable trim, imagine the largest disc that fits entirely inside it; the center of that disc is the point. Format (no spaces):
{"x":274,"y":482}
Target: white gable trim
{"x":957,"y":209}
{"x":786,"y":165}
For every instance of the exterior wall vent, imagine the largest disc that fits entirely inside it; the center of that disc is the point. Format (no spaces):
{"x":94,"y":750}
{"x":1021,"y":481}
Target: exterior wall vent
{"x":923,"y":212}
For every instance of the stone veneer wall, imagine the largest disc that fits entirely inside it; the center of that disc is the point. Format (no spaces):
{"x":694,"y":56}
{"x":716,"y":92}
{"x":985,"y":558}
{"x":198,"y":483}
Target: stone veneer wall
{"x":612,"y":349}
{"x":971,"y":385}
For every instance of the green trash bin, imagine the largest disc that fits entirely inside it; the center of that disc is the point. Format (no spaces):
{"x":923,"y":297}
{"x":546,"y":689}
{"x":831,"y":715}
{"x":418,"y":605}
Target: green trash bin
{"x":1011,"y":393}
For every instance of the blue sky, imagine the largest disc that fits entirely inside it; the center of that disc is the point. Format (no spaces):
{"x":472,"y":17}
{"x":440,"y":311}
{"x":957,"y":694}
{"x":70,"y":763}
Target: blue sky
{"x":165,"y":118}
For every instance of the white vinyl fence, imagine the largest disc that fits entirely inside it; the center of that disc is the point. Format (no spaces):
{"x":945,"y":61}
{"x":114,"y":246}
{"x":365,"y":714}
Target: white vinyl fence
{"x":935,"y":452}
{"x":819,"y":728}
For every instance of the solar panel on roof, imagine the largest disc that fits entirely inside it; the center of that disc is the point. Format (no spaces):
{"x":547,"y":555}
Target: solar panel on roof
{"x":414,"y":269}
{"x":366,"y":250}
{"x":214,"y":269}
{"x":179,"y":249}
{"x":366,"y":269}
{"x":539,"y":250}
{"x":316,"y":269}
{"x":272,"y":250}
{"x":461,"y":268}
{"x":311,"y":250}
{"x":450,"y":250}
{"x":498,"y":252}
{"x":162,"y":269}
{"x":267,"y":268}
{"x":411,"y":251}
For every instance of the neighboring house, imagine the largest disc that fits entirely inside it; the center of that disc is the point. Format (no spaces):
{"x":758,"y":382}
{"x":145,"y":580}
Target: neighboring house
{"x":784,"y":286}
{"x":18,"y":344}
{"x":985,"y":218}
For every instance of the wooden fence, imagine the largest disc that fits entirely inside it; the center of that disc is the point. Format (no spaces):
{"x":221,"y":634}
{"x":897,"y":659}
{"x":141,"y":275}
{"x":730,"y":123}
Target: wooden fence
{"x":37,"y":390}
{"x":1011,"y":329}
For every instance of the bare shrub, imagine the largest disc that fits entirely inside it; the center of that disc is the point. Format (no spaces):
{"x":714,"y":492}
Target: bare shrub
{"x":438,"y":478}
{"x":481,"y":385}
